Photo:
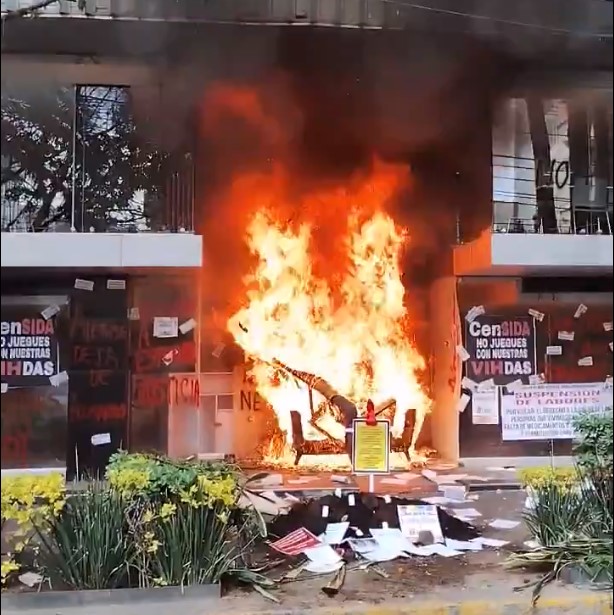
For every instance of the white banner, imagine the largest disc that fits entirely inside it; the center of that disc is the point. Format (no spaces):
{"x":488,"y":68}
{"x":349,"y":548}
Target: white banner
{"x":547,"y":411}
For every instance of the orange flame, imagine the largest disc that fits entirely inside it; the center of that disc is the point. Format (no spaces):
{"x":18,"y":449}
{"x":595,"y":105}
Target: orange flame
{"x":326,"y":294}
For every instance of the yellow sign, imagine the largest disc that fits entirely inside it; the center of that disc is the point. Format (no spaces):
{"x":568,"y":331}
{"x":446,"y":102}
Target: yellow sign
{"x":371,"y":447}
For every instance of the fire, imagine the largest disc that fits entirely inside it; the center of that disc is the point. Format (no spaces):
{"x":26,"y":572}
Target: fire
{"x":353,"y":330}
{"x":325,"y":294}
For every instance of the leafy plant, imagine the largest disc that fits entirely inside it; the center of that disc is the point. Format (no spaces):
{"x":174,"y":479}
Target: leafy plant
{"x":27,"y":499}
{"x":593,"y":447}
{"x":535,"y":478}
{"x":87,"y":546}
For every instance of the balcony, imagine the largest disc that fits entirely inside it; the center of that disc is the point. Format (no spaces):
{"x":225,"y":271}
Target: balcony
{"x":519,"y":246}
{"x":81,"y":186}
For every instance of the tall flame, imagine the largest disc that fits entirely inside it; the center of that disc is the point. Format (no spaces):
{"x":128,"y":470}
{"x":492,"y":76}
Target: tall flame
{"x":351,"y":328}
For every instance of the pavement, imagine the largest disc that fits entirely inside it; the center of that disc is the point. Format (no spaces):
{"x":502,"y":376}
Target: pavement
{"x":472,"y":584}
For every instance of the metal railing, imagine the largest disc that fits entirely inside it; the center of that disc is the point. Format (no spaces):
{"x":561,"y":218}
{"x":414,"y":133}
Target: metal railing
{"x":80,"y":164}
{"x":579,"y":221}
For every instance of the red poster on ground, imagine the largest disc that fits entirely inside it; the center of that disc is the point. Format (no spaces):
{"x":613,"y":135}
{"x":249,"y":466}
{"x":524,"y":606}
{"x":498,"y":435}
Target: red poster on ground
{"x":295,"y":542}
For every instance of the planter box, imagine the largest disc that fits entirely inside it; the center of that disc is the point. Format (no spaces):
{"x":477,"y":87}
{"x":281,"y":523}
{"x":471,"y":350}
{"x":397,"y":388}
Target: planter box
{"x":95,"y":597}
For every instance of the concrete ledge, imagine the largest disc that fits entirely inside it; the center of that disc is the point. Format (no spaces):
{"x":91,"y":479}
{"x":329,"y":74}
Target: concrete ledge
{"x":208,"y":594}
{"x":585,"y":603}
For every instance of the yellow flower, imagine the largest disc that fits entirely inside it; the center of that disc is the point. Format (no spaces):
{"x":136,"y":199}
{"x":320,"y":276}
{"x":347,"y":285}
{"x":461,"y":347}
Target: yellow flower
{"x":167,"y":510}
{"x":153,"y":546}
{"x":148,"y":516}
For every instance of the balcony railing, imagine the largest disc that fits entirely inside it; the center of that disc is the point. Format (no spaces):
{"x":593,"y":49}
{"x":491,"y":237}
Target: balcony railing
{"x":75,"y":160}
{"x":582,"y":221}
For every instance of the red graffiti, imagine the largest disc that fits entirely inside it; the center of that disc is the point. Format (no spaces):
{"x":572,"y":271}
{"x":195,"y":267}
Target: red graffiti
{"x":99,"y":413}
{"x":150,"y":391}
{"x":151,"y":359}
{"x":184,"y":390}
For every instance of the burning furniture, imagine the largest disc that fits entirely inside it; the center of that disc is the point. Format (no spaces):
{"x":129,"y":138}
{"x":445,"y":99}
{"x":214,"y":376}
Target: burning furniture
{"x":330,"y":446}
{"x":348,"y":409}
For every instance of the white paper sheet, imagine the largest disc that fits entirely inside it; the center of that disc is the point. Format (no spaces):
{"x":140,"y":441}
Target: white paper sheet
{"x":514,"y":385}
{"x":116,"y":284}
{"x":187,"y":326}
{"x":5,"y":387}
{"x":462,"y":353}
{"x":467,"y":383}
{"x":580,"y":310}
{"x":84,"y":284}
{"x":98,"y":439}
{"x":566,"y":336}
{"x":539,"y":316}
{"x":474,"y":312}
{"x":165,"y":327}
{"x":416,"y":518}
{"x":335,"y":533}
{"x":50,"y":311}
{"x":466,"y":513}
{"x":585,"y":362}
{"x":504,"y":524}
{"x":486,"y":385}
{"x":485,"y":407}
{"x":463,"y":545}
{"x":490,"y":542}
{"x":444,"y":550}
{"x":133,"y":313}
{"x":455,"y":493}
{"x":607,"y":326}
{"x":363,"y":545}
{"x":322,"y":554}
{"x":537,"y":379}
{"x":57,"y":379}
{"x":554,"y":351}
{"x":438,"y":500}
{"x":462,"y":403}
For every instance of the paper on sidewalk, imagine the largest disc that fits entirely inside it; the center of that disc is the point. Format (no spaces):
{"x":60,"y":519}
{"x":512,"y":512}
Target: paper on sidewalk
{"x":463,"y":545}
{"x":466,"y":513}
{"x":335,"y":533}
{"x":504,"y":524}
{"x":489,"y":542}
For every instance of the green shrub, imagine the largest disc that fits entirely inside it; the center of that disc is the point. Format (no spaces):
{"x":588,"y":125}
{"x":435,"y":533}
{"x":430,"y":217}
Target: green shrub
{"x":593,"y":446}
{"x":87,"y":546}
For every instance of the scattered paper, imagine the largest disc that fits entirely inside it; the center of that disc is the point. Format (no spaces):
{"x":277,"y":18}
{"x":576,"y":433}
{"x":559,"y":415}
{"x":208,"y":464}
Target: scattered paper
{"x":416,"y":518}
{"x":532,"y":544}
{"x":462,"y":353}
{"x":501,"y":469}
{"x":30,"y":579}
{"x":363,"y":545}
{"x":566,"y":336}
{"x":490,"y":542}
{"x":84,"y":284}
{"x":57,"y":379}
{"x":474,"y":312}
{"x":607,"y":326}
{"x":455,"y":493}
{"x":169,"y":357}
{"x":554,"y":351}
{"x":486,"y":385}
{"x":300,"y":480}
{"x":387,"y":499}
{"x":537,"y":379}
{"x":504,"y":524}
{"x":462,"y":403}
{"x":165,"y":326}
{"x":98,"y":439}
{"x":296,"y":542}
{"x":357,"y":531}
{"x":536,"y":314}
{"x":5,"y":387}
{"x":218,"y":350}
{"x":611,"y":345}
{"x":467,"y":383}
{"x":390,"y":544}
{"x":585,"y":362}
{"x":609,"y":380}
{"x":322,"y":555}
{"x":116,"y":284}
{"x":323,"y":567}
{"x":444,"y":550}
{"x":351,"y":500}
{"x":466,"y":513}
{"x":463,"y":545}
{"x":133,"y":313}
{"x":339,"y":479}
{"x":325,"y":511}
{"x":429,"y":475}
{"x":422,"y":550}
{"x":580,"y":310}
{"x":50,"y":311}
{"x":187,"y":326}
{"x":438,"y":500}
{"x":407,"y":476}
{"x":335,"y":533}
{"x":448,"y":479}
{"x":485,"y":407}
{"x":515,"y":385}
{"x":338,"y":492}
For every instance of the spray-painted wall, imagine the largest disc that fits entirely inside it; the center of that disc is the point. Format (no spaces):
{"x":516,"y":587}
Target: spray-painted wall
{"x":119,"y":375}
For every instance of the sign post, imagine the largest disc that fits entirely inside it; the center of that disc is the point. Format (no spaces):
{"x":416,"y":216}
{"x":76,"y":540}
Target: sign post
{"x":371,"y":449}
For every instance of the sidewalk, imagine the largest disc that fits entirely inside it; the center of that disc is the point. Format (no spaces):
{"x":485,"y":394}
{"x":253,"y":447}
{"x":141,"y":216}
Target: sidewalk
{"x":480,"y":595}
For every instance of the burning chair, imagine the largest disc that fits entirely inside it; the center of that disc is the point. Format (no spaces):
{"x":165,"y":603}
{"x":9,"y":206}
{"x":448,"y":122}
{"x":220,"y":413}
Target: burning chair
{"x":330,"y":445}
